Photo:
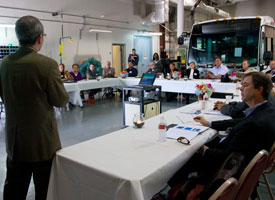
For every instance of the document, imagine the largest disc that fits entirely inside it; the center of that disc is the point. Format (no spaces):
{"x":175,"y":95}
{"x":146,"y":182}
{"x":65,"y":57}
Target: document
{"x":187,"y":131}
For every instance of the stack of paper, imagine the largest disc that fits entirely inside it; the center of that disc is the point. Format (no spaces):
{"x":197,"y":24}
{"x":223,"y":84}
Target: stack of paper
{"x":187,"y":131}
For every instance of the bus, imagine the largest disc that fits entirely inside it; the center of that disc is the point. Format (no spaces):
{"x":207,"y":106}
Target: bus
{"x":233,"y":40}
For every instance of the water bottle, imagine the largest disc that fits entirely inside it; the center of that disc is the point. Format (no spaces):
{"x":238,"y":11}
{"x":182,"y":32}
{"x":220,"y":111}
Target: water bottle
{"x":162,"y":130}
{"x":87,"y":75}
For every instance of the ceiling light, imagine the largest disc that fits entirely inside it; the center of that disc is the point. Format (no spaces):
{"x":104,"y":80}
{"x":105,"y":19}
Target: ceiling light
{"x":154,"y":33}
{"x":7,"y":25}
{"x":100,"y":31}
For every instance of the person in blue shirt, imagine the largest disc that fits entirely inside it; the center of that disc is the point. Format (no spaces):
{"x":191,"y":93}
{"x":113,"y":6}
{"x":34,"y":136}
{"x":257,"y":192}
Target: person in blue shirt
{"x":132,"y":72}
{"x":134,"y":58}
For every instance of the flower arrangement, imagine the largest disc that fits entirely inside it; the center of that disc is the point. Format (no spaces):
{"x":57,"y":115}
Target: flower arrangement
{"x":124,"y":74}
{"x":233,"y":77}
{"x":201,"y":89}
{"x":176,"y":74}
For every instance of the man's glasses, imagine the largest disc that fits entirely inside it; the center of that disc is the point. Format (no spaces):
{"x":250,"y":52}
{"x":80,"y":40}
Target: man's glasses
{"x":183,"y":140}
{"x":44,"y":35}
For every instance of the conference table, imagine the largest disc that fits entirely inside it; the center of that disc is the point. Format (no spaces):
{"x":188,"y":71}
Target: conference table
{"x":176,"y":86}
{"x":128,"y":164}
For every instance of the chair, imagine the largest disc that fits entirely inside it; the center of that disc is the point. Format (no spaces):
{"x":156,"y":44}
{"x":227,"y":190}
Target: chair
{"x":251,"y":175}
{"x":226,"y":191}
{"x":270,"y":166}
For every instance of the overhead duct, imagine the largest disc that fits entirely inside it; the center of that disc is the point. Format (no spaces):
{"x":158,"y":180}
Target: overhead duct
{"x":213,"y":10}
{"x":159,"y":14}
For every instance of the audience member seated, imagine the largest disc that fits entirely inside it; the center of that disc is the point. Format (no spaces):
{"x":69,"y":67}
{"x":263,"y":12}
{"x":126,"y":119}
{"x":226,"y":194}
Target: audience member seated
{"x":248,"y":135}
{"x":157,"y":63}
{"x":75,"y":73}
{"x":171,"y":95}
{"x":271,"y":72}
{"x":91,"y":72}
{"x":218,"y":70}
{"x":245,"y":65}
{"x":108,"y":71}
{"x":64,"y":74}
{"x":191,"y":73}
{"x":172,"y":68}
{"x":235,"y":109}
{"x":132,"y":72}
{"x":152,"y":69}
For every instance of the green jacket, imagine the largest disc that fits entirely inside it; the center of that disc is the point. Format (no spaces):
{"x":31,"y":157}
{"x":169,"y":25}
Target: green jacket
{"x":30,"y":86}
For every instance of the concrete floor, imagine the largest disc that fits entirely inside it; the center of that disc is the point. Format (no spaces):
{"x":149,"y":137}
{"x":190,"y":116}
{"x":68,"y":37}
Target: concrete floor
{"x":81,"y":124}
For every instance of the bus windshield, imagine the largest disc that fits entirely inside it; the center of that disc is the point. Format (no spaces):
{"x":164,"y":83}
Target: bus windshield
{"x":231,"y":40}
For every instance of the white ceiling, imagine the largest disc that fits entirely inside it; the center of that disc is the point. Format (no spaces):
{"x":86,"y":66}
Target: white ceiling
{"x":122,"y":10}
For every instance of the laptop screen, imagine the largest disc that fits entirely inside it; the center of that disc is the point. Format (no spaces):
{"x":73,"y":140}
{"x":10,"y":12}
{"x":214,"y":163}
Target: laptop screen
{"x":147,"y":79}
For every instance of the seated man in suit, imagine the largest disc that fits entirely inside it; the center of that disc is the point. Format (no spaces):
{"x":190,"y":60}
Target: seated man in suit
{"x":271,"y":72}
{"x":218,"y":71}
{"x":248,"y":136}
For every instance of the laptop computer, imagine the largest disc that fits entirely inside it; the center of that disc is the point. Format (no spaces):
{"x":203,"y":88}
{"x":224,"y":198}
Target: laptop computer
{"x":147,"y":80}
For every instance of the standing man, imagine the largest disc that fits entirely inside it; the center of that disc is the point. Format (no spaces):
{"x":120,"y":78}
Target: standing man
{"x":218,"y":71}
{"x":271,"y":72}
{"x":30,"y":86}
{"x":134,"y":58}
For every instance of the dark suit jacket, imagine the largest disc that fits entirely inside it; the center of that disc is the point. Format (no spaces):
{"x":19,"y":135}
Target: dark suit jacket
{"x":196,"y":74}
{"x":30,"y":86}
{"x":248,"y":136}
{"x":273,"y":75}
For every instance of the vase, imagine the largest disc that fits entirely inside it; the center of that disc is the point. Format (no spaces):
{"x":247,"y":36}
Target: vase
{"x":201,"y":97}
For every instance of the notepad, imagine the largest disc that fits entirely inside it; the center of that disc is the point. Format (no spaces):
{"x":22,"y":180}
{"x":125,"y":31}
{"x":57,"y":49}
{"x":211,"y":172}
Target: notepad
{"x":187,"y":131}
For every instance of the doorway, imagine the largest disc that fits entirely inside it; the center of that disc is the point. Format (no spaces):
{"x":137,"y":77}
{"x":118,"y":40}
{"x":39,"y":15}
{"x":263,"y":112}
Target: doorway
{"x":143,"y":46}
{"x":118,"y":58}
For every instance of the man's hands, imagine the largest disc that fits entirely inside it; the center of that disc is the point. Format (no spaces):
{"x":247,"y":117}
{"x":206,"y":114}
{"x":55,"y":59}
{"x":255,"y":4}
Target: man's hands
{"x":202,"y":120}
{"x":218,"y":105}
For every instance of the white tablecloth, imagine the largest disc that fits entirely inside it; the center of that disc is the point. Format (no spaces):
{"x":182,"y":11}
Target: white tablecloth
{"x":128,"y":164}
{"x":177,"y":86}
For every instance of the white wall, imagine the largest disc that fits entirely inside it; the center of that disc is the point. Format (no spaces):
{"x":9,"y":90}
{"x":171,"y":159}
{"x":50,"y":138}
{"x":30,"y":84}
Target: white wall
{"x":87,"y":46}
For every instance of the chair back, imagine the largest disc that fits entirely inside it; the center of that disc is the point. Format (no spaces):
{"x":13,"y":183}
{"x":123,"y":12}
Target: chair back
{"x":226,"y":191}
{"x":271,"y":156}
{"x":251,"y":175}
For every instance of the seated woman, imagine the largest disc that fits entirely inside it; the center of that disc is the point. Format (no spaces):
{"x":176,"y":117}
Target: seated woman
{"x":171,"y":95}
{"x":64,"y":74}
{"x":191,"y":73}
{"x":75,"y":73}
{"x":91,"y":72}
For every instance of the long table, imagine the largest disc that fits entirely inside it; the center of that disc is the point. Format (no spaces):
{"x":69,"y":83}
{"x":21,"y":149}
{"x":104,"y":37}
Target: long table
{"x":128,"y":164}
{"x":177,"y":86}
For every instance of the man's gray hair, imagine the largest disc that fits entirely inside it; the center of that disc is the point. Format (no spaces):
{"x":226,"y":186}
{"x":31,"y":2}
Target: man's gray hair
{"x":28,"y":29}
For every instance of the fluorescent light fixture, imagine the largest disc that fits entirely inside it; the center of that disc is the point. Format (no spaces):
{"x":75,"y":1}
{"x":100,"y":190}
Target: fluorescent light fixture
{"x":154,"y":33}
{"x":7,"y":25}
{"x":100,"y":31}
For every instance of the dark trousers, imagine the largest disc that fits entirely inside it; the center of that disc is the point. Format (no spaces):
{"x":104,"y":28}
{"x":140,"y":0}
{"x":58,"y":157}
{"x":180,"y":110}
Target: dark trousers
{"x":19,"y":176}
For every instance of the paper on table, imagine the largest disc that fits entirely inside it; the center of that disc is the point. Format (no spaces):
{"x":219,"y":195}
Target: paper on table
{"x":212,"y":112}
{"x":187,"y":131}
{"x":193,"y":111}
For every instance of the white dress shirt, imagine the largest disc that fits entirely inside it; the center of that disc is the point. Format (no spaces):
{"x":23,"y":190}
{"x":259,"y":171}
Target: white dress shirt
{"x":219,"y":70}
